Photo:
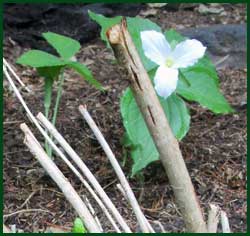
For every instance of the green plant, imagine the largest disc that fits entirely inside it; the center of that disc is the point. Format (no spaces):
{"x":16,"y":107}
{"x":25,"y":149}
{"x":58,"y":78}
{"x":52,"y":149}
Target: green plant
{"x":78,"y":226}
{"x":52,"y":69}
{"x":196,"y":81}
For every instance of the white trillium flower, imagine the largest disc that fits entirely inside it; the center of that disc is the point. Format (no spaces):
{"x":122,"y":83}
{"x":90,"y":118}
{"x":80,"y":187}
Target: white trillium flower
{"x":158,"y":50}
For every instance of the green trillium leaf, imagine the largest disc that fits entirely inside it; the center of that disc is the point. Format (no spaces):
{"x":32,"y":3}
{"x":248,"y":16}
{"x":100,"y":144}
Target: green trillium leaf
{"x":85,"y":72}
{"x":65,"y":46}
{"x":143,"y":150}
{"x":37,"y":58}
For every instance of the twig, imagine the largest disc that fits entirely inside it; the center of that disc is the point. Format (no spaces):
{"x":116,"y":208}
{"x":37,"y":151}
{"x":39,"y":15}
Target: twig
{"x":157,"y":123}
{"x":213,"y":218}
{"x":25,"y":211}
{"x":224,"y":222}
{"x":15,"y":75}
{"x":91,"y":209}
{"x":56,"y":149}
{"x":160,"y":225}
{"x":120,"y":188}
{"x":125,"y":185}
{"x":51,"y":168}
{"x":85,"y":170}
{"x":220,"y":61}
{"x":28,"y":198}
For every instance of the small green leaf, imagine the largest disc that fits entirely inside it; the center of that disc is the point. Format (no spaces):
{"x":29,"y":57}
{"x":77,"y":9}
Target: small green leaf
{"x":143,"y":150}
{"x":86,"y":73}
{"x":37,"y":58}
{"x":65,"y":46}
{"x":78,"y":226}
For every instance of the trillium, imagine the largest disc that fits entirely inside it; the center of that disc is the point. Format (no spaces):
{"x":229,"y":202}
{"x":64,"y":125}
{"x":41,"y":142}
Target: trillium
{"x":158,"y":50}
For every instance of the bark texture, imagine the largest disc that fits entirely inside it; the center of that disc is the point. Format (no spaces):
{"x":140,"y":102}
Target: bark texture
{"x":157,"y":123}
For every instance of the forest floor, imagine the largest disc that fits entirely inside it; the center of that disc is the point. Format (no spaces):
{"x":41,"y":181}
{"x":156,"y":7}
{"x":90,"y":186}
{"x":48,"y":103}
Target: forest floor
{"x":214,"y":149}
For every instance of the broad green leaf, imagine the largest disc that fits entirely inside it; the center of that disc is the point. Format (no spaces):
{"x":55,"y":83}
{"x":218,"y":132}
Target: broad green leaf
{"x":78,"y":226}
{"x":65,"y":46}
{"x":49,"y":72}
{"x":143,"y":150}
{"x":197,"y":84}
{"x":85,"y":72}
{"x":37,"y":58}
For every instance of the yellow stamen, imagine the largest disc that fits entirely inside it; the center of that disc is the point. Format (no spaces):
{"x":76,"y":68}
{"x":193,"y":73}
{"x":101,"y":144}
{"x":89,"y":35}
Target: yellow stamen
{"x":169,"y":62}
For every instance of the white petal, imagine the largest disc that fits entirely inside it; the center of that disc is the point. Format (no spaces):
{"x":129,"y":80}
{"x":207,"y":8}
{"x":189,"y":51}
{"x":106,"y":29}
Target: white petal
{"x":187,"y":53}
{"x":155,"y":46}
{"x":165,"y":81}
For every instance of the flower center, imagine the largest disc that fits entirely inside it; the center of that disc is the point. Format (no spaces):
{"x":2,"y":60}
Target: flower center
{"x":169,"y":62}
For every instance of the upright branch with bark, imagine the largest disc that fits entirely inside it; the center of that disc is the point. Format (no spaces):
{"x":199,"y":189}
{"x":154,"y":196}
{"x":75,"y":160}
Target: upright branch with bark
{"x":157,"y":123}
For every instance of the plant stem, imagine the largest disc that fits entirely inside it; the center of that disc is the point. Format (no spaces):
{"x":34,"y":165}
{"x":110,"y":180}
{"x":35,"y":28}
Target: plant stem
{"x":48,"y":85}
{"x":58,"y":98}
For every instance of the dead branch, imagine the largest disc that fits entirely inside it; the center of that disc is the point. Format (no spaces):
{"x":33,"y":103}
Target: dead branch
{"x":157,"y":123}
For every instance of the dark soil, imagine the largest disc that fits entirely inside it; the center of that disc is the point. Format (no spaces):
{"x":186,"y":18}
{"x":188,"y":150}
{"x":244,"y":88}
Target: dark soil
{"x":214,"y":149}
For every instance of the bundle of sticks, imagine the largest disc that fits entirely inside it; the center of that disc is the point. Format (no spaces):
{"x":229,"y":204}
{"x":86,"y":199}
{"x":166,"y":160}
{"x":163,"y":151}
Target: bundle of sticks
{"x":81,"y":204}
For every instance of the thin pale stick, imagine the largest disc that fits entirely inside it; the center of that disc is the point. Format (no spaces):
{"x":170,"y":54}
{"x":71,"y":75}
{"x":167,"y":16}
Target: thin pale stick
{"x":85,"y":170}
{"x":61,"y":181}
{"x":125,"y":185}
{"x":91,"y":209}
{"x":213,"y":218}
{"x":56,"y":149}
{"x":26,"y":211}
{"x":224,"y":222}
{"x":120,"y":188}
{"x":15,"y":75}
